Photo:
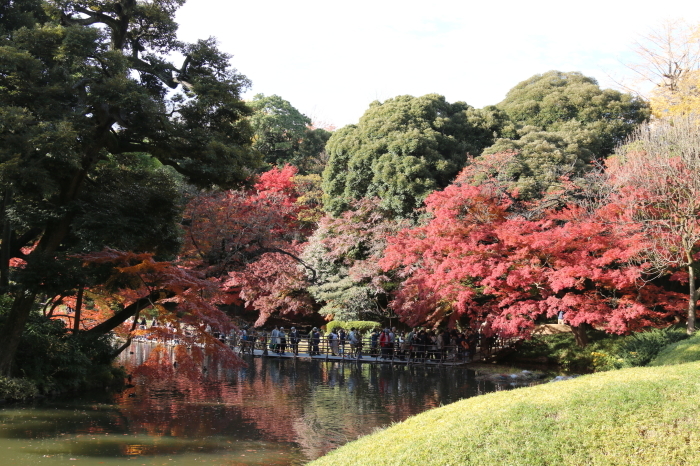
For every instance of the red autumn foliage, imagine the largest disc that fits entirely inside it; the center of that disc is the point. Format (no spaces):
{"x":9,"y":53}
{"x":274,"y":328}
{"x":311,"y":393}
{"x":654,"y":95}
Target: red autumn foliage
{"x":278,"y":180}
{"x":179,"y":299}
{"x":250,"y":241}
{"x":275,"y":283}
{"x":475,"y":261}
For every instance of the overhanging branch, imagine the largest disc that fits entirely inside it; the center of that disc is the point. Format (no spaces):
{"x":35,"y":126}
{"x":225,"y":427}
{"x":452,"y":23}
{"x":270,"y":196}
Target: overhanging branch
{"x":129,"y":311}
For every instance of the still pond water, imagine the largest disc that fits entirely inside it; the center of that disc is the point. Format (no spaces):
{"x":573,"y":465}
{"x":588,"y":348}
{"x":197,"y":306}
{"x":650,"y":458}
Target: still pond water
{"x":272,"y":412}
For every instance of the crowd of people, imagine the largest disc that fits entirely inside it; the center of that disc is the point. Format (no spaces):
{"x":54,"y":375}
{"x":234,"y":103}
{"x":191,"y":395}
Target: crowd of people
{"x":388,"y":343}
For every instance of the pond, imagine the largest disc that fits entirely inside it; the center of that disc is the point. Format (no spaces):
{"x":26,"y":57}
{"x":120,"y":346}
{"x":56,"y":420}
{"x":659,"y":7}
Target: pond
{"x":272,"y":412}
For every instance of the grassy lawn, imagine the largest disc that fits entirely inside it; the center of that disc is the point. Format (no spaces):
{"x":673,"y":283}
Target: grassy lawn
{"x":679,"y":353}
{"x":637,"y":416}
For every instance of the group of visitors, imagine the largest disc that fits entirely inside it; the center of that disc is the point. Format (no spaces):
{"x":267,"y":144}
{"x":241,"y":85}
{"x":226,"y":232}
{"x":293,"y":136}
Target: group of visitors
{"x":389,"y":343}
{"x":278,"y":339}
{"x":424,"y":344}
{"x":339,"y":338}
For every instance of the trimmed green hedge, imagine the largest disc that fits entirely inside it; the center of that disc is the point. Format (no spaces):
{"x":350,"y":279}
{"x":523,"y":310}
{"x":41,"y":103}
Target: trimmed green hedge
{"x":363,"y":326}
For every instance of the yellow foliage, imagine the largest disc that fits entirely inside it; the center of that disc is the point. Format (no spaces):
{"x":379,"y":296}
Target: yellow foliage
{"x":683,"y":100}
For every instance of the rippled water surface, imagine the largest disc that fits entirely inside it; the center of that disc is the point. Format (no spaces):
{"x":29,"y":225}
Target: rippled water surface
{"x":272,"y":412}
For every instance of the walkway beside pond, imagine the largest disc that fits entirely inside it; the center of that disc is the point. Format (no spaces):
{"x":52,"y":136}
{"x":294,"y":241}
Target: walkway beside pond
{"x":363,"y":359}
{"x":414,"y":354}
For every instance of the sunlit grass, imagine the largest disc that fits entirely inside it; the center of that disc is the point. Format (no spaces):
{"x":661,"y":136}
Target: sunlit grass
{"x":638,"y":416}
{"x":679,"y":353}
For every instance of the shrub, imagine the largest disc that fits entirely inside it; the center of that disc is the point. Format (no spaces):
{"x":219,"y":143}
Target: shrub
{"x":53,"y":359}
{"x":641,"y":348}
{"x":561,"y":349}
{"x":605,"y":352}
{"x":679,"y":352}
{"x":16,"y":389}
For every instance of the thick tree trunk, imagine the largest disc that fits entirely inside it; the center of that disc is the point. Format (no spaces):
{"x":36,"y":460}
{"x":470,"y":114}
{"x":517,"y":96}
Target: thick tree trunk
{"x":581,"y":334}
{"x":19,"y":313}
{"x":692,"y":300}
{"x":11,"y":332}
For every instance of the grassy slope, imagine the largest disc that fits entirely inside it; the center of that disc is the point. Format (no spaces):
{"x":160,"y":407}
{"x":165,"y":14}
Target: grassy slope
{"x":679,"y":353}
{"x":640,"y":416}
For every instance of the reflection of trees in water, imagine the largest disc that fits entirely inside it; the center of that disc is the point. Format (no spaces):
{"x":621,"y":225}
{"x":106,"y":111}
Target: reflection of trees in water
{"x":316,"y":405}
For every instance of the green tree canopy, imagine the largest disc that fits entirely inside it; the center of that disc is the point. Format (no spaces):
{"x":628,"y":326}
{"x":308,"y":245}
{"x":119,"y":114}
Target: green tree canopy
{"x":278,"y":127}
{"x":561,"y":122}
{"x":403,"y":149}
{"x":16,"y":14}
{"x":284,"y":135}
{"x":311,"y":156}
{"x":95,"y":119}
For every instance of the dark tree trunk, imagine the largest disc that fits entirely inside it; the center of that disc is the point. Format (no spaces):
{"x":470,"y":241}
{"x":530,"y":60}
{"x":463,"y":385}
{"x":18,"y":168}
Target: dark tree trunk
{"x":54,"y":234}
{"x":11,"y":332}
{"x":692,"y":298}
{"x":581,"y":334}
{"x":78,"y":309}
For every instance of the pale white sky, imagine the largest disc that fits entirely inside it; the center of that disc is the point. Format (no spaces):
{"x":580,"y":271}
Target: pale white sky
{"x":331,"y":59}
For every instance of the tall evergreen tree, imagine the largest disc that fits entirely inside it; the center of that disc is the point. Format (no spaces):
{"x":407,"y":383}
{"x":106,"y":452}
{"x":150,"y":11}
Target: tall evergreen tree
{"x":560,"y":123}
{"x":87,"y":84}
{"x":403,"y":149}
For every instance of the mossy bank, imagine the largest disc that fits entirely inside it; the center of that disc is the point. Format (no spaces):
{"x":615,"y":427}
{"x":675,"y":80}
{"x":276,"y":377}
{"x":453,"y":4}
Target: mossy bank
{"x":637,"y":416}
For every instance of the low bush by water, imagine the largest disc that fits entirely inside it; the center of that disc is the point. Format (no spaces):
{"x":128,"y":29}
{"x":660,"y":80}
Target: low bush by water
{"x":605,"y":352}
{"x":51,"y":359}
{"x":17,"y":389}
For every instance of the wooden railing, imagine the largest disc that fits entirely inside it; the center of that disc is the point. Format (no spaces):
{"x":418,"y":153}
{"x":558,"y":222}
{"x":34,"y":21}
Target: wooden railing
{"x":323,"y":347}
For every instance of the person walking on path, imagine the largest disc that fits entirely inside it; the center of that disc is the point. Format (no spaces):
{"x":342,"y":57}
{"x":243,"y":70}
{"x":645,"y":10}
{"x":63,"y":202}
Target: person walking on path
{"x":275,"y":339}
{"x":294,"y":338}
{"x":283,"y":342}
{"x":374,"y":343}
{"x":341,"y":340}
{"x":315,"y":340}
{"x":333,"y":340}
{"x":355,"y":343}
{"x":385,"y":343}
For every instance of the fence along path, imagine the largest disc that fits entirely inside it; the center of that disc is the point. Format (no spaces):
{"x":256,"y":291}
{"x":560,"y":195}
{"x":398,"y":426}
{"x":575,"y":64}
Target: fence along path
{"x":449,"y":355}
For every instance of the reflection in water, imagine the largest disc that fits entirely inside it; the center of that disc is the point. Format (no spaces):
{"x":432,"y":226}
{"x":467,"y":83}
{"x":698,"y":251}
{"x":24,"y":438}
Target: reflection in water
{"x":272,"y":412}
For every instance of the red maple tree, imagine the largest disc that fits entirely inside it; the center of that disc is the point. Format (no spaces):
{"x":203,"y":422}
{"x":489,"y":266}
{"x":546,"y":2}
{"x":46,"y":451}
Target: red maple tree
{"x":250,"y":241}
{"x":480,"y":261}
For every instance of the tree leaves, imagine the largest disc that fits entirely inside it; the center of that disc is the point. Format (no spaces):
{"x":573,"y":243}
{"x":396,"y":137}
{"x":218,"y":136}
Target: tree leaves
{"x":401,"y":150}
{"x":477,"y":261}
